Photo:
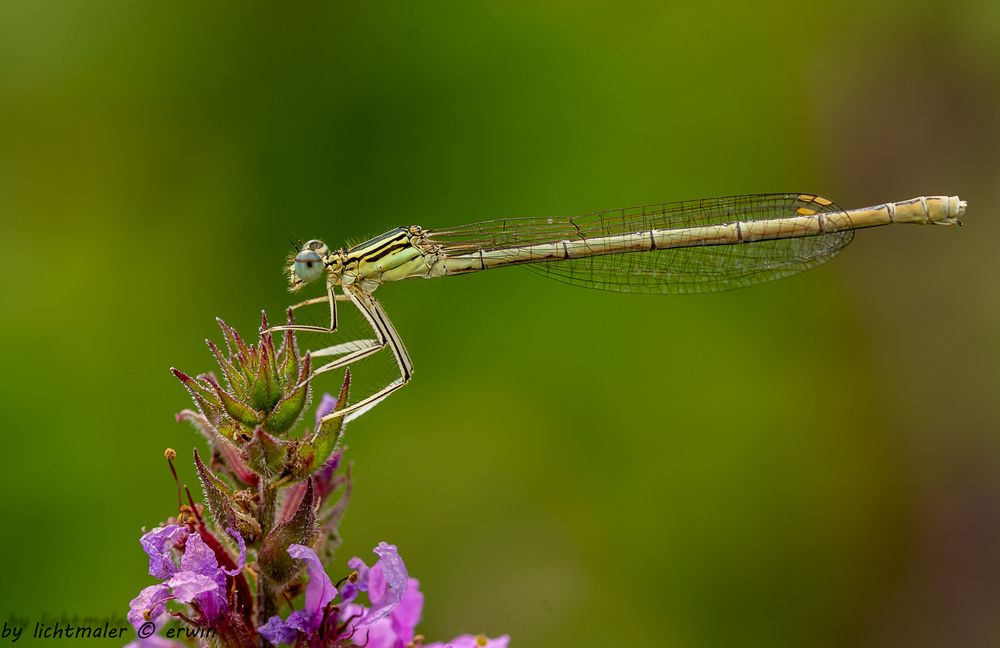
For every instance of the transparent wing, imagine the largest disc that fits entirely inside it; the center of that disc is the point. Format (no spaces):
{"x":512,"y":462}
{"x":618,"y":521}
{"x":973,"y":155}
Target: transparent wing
{"x":699,"y":268}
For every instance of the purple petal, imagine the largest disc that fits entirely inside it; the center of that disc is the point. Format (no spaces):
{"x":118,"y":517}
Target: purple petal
{"x":300,"y":620}
{"x":319,"y":592}
{"x":359,"y":566}
{"x":393,"y":568}
{"x":473,"y":641}
{"x":352,"y":612}
{"x":333,"y":462}
{"x":348,"y":592}
{"x":325,"y":475}
{"x":186,"y":585}
{"x":149,"y":604}
{"x":377,"y":586}
{"x":406,"y":616}
{"x":277,"y":632}
{"x":387,"y":581}
{"x":392,"y":631}
{"x":204,"y":590}
{"x":198,"y":557}
{"x":156,"y":641}
{"x":378,"y":635}
{"x":320,"y":589}
{"x":326,"y":406}
{"x":213,"y":605}
{"x":243,"y":552}
{"x":159,"y":544}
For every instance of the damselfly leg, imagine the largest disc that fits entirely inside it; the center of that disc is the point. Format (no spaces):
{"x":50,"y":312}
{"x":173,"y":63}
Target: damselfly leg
{"x":331,"y":298}
{"x":351,"y":352}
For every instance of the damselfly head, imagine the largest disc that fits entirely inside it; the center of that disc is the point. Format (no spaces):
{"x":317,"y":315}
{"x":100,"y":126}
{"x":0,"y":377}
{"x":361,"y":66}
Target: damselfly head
{"x":308,"y":264}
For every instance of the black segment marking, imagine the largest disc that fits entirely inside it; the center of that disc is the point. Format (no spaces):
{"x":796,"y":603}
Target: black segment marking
{"x":384,"y":252}
{"x":391,"y":234}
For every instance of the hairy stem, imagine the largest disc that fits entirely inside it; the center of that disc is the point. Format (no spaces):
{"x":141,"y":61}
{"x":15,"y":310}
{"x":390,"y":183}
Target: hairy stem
{"x":266,"y":596}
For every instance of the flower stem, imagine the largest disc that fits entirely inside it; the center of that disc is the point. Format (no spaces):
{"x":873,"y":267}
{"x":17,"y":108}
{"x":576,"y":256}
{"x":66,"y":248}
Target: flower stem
{"x":266,"y":600}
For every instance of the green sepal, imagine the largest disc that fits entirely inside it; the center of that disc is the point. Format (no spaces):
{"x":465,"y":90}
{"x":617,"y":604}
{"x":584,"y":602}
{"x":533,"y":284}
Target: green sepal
{"x":277,"y":392}
{"x":248,"y":526}
{"x":267,"y":342}
{"x":328,"y":432}
{"x":224,"y":510}
{"x":206,"y":401}
{"x":289,"y":355}
{"x":231,"y":430}
{"x":234,"y":343}
{"x":273,"y":558}
{"x":232,"y":458}
{"x":239,"y":412}
{"x":265,"y":392}
{"x":234,"y":379}
{"x":200,"y":423}
{"x":286,"y":413}
{"x":266,"y":455}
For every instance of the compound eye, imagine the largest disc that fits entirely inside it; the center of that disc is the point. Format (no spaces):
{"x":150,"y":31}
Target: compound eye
{"x":308,"y":266}
{"x":317,"y":246}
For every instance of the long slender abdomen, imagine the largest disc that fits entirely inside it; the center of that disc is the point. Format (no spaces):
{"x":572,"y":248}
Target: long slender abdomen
{"x":936,"y":210}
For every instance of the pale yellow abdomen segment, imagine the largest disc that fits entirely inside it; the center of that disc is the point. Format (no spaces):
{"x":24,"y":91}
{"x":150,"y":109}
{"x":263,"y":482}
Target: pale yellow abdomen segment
{"x":926,"y":210}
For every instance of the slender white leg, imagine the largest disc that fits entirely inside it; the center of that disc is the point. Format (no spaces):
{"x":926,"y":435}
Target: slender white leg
{"x":341,"y":349}
{"x":332,"y":297}
{"x":365,"y":349}
{"x":387,"y":336}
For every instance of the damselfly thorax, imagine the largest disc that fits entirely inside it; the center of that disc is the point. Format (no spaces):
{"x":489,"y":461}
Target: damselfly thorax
{"x":703,"y":245}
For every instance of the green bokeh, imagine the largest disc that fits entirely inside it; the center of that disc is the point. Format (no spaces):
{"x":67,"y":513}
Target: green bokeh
{"x":813,"y":462}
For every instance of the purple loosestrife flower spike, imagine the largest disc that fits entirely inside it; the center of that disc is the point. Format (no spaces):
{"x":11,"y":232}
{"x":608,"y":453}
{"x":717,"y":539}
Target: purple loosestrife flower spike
{"x":268,"y":488}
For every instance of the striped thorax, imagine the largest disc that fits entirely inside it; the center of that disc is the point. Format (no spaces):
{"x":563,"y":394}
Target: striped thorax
{"x":398,"y":254}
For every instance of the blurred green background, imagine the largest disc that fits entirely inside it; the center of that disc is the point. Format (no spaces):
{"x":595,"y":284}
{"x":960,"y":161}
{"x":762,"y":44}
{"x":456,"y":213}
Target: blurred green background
{"x":813,"y":462}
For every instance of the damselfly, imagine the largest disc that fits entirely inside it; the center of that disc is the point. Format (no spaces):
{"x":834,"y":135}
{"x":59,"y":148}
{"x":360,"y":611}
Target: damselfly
{"x":682,"y":247}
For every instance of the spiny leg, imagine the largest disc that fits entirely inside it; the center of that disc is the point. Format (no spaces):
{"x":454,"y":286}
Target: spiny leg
{"x":318,"y":300}
{"x":364,"y":349}
{"x":361,"y":407}
{"x":341,"y":349}
{"x":387,"y":336}
{"x":385,"y":333}
{"x":355,"y":350}
{"x":332,"y":297}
